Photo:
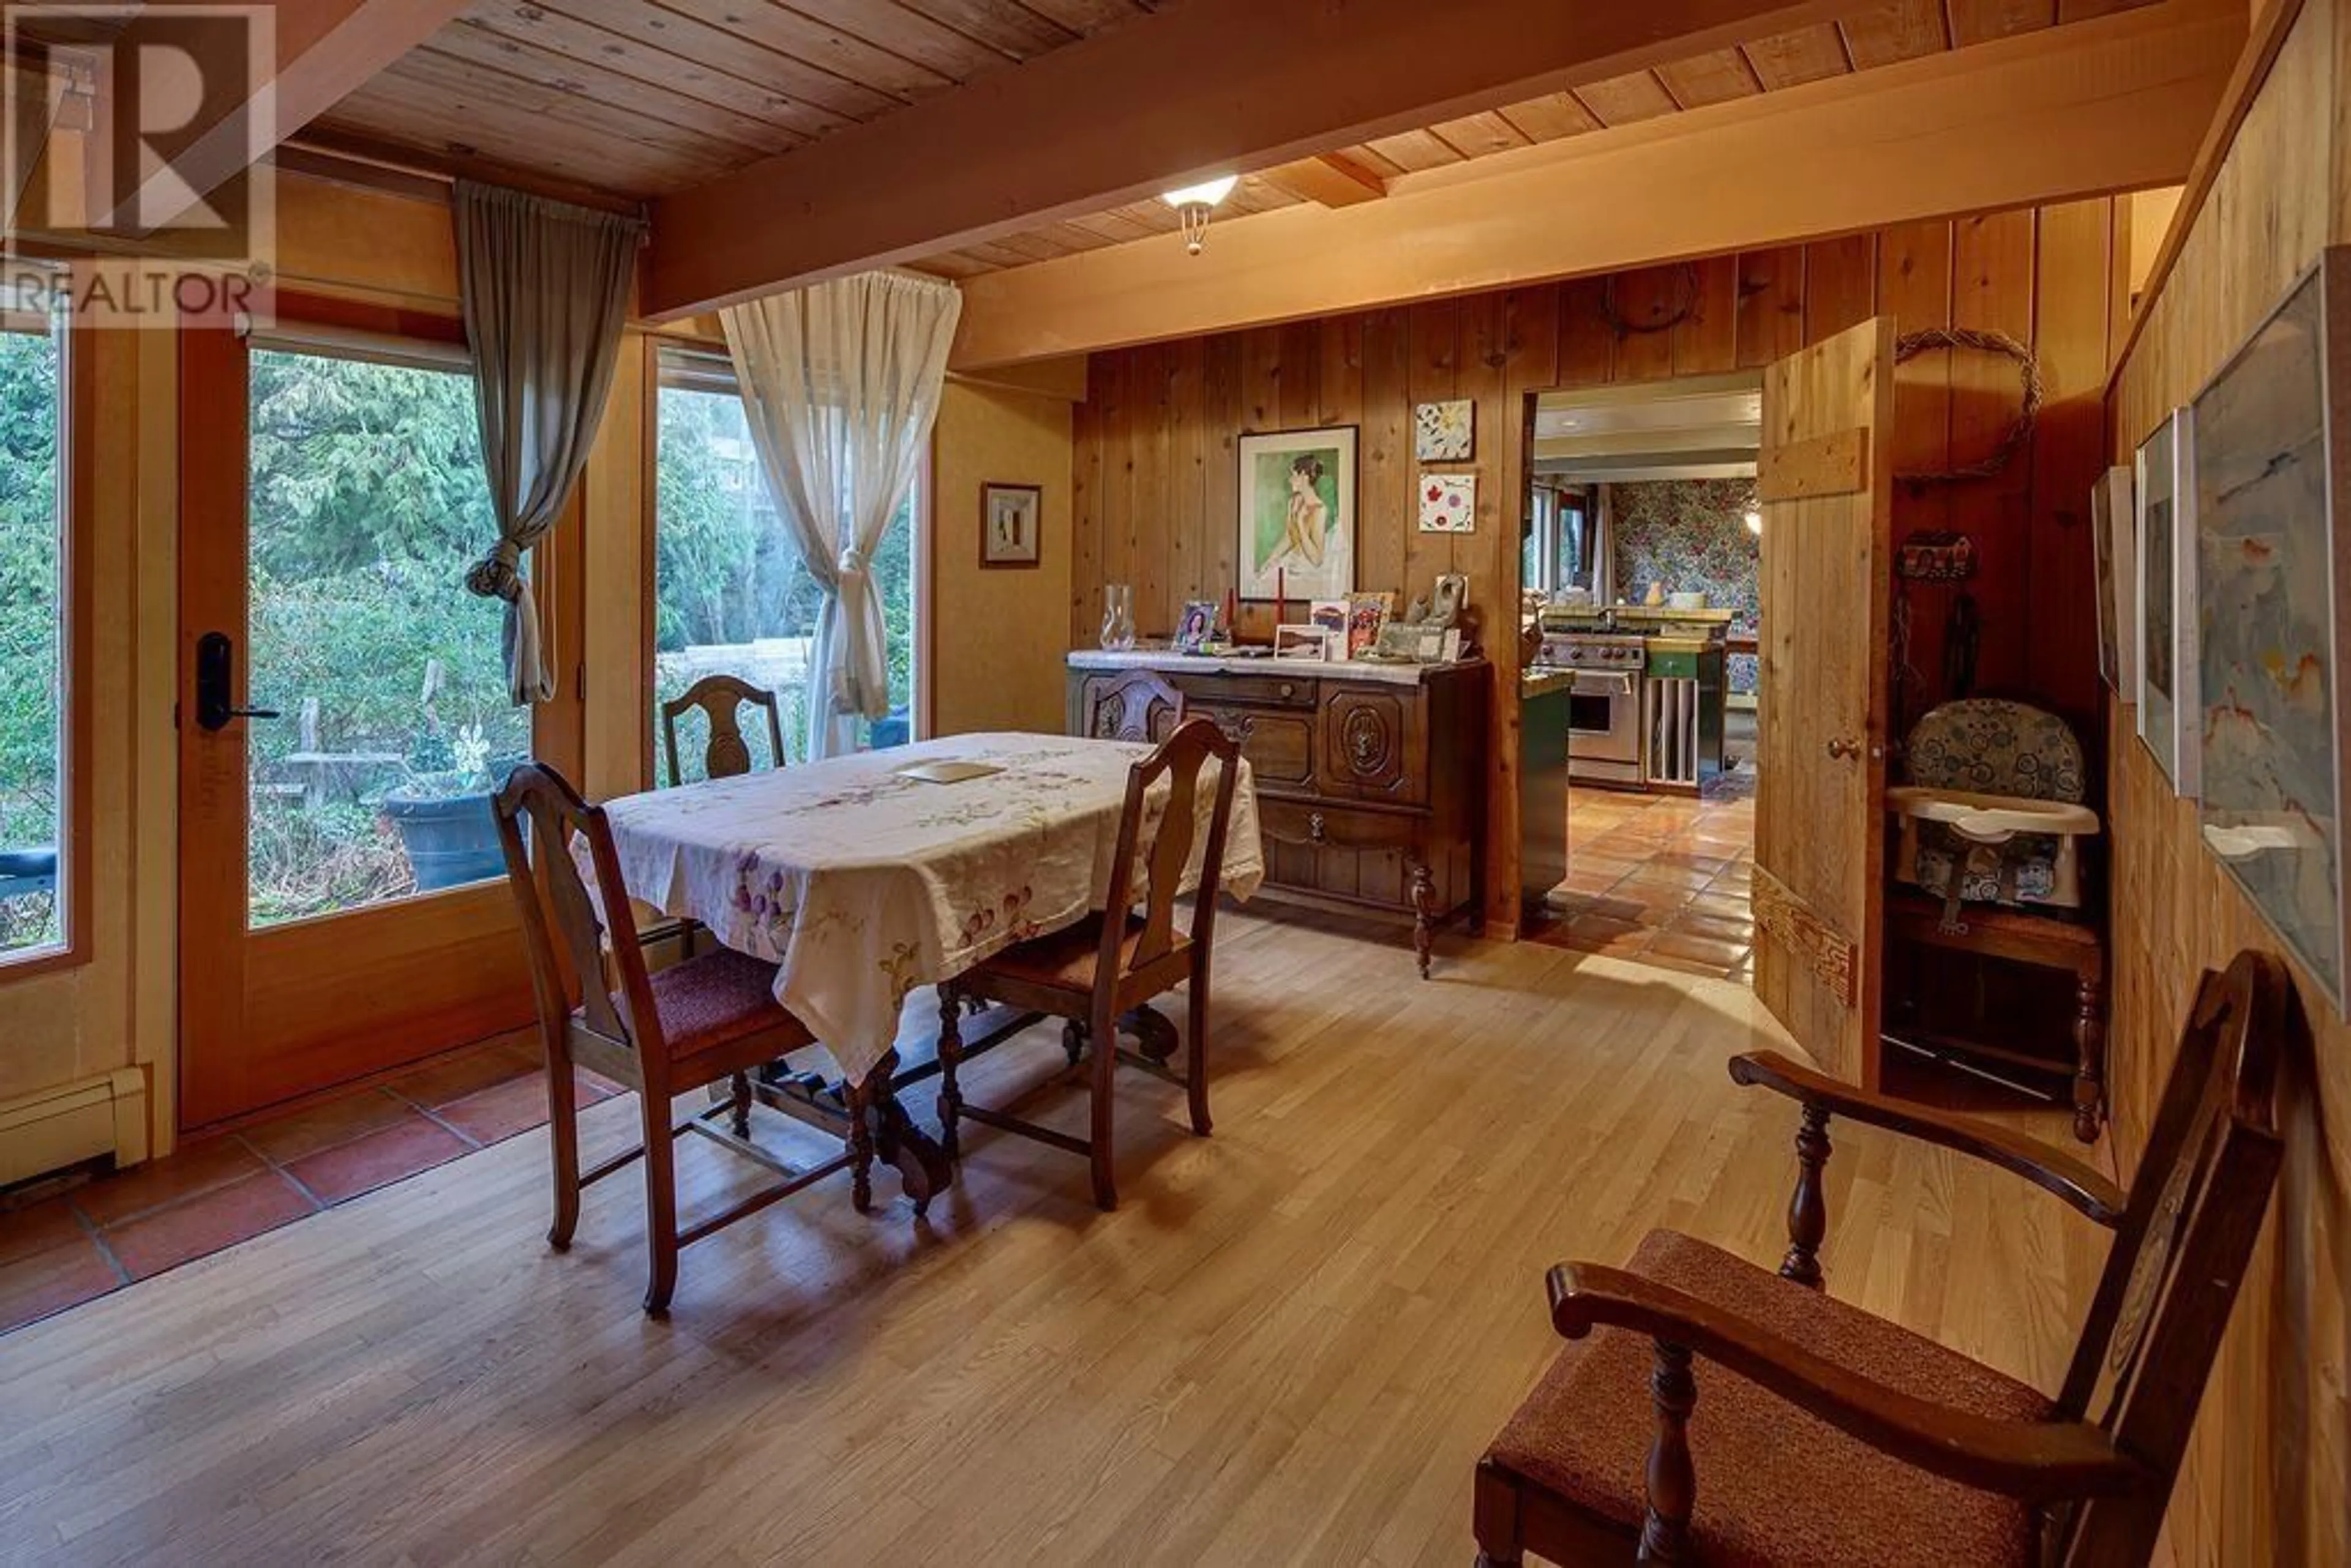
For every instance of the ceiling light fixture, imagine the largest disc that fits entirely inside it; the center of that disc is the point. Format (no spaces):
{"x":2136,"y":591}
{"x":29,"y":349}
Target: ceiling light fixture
{"x":1192,"y":203}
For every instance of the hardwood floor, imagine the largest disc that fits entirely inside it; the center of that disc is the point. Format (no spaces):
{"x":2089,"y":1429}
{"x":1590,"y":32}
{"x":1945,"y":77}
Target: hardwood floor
{"x":1289,"y":1344}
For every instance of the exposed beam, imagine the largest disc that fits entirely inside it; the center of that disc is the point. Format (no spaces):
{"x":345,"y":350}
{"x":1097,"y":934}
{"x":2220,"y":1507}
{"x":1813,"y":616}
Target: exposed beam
{"x":2114,"y":104}
{"x":1333,"y":179}
{"x":1216,"y":87}
{"x":324,"y":51}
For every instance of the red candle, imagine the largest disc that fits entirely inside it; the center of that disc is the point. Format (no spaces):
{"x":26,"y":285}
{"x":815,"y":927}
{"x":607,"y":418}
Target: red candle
{"x":1281,"y":595}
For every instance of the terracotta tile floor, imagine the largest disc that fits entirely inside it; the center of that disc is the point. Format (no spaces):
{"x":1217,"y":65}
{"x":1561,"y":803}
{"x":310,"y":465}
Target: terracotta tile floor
{"x":60,"y":1250}
{"x":1661,"y":879}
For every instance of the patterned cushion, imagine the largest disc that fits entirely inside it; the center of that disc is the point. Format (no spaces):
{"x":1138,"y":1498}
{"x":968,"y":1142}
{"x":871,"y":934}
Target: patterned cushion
{"x":720,"y":997}
{"x":1774,"y":1484}
{"x":2027,"y":863}
{"x":1992,"y":746}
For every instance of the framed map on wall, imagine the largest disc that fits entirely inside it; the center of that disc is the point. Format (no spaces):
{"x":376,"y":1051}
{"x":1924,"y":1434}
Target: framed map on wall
{"x":1297,"y":522}
{"x":2271,"y":491}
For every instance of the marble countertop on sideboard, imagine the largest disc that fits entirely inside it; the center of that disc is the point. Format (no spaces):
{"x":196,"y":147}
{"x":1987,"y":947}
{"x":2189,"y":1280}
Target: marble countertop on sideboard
{"x":1168,"y":659}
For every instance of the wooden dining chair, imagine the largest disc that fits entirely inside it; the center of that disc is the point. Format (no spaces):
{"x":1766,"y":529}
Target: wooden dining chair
{"x":709,"y":1019}
{"x":1133,"y":704}
{"x":1822,"y":1434}
{"x":1114,"y":961}
{"x":721,"y":699}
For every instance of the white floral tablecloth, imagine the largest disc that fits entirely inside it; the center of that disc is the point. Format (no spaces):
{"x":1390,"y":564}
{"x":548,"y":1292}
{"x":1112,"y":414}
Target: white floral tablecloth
{"x":861,"y":884}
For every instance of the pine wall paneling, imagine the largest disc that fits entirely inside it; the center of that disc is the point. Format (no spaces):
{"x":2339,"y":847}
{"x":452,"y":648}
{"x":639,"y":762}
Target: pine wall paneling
{"x":2268,"y":1470}
{"x":1154,"y":471}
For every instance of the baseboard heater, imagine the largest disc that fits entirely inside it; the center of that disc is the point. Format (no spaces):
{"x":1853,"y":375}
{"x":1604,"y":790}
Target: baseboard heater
{"x":55,"y":1128}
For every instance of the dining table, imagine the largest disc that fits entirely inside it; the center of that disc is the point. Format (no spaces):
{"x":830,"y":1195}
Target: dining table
{"x":862,"y":877}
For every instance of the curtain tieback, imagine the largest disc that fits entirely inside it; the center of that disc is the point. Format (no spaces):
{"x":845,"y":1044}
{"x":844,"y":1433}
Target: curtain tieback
{"x":498,"y":575}
{"x":853,"y":562}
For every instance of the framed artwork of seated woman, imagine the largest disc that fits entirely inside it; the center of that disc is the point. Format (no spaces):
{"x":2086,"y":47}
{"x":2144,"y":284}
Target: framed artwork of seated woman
{"x":1297,"y":523}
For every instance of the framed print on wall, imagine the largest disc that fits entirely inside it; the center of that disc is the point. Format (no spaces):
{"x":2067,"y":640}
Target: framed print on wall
{"x":2168,"y":704}
{"x":1448,"y":503}
{"x":1297,"y":522}
{"x":1011,"y":523}
{"x":1445,"y":431}
{"x":2113,"y":535}
{"x":2273,"y":491}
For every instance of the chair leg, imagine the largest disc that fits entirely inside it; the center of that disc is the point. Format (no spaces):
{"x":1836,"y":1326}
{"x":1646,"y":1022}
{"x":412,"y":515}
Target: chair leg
{"x":563,"y":1143}
{"x":1494,"y":1517}
{"x":1196,"y":1055}
{"x":660,"y":1202}
{"x":1106,"y":1040}
{"x":950,"y":1061}
{"x":741,"y":1090}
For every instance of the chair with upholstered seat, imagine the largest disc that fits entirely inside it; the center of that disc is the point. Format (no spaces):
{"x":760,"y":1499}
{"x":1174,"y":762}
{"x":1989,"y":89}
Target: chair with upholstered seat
{"x":707,"y":1020}
{"x":1111,"y":963}
{"x":1818,"y":1433}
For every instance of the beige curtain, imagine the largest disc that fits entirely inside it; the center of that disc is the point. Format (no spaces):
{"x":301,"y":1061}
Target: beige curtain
{"x":840,"y":383}
{"x":546,"y":289}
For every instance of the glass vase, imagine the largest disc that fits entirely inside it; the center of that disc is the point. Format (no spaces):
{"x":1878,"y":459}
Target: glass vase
{"x":1118,"y":617}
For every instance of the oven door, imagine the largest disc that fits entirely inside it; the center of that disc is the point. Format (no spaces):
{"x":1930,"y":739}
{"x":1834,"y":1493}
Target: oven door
{"x":1603,"y":726}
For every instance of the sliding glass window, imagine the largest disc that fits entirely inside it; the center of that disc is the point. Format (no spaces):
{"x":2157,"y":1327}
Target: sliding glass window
{"x":731,"y":594}
{"x":35,"y":642}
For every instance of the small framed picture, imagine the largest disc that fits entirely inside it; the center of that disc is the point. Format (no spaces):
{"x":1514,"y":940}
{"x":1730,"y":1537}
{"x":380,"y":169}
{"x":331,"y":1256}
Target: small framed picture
{"x":1366,"y":614}
{"x":1011,"y":523}
{"x":1197,"y":627}
{"x":1445,"y":431}
{"x":1448,"y":503}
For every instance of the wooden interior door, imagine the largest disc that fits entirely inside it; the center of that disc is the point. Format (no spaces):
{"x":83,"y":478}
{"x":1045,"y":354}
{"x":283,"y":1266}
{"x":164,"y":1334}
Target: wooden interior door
{"x":273,"y":1006}
{"x":1825,"y":479}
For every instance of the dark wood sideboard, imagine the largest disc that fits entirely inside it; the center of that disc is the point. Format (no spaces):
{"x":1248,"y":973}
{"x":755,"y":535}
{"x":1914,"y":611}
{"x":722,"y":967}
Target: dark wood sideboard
{"x":1371,"y":786}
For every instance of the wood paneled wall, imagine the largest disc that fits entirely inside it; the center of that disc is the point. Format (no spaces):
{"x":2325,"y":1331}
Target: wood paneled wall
{"x":2269,"y":1473}
{"x":1157,"y":462}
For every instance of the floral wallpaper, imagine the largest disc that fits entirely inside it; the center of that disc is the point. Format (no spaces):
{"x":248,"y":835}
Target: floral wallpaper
{"x":1690,"y":535}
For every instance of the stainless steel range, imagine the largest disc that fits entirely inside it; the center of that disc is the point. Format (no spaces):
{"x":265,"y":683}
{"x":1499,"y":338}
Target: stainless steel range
{"x":1604,"y":740}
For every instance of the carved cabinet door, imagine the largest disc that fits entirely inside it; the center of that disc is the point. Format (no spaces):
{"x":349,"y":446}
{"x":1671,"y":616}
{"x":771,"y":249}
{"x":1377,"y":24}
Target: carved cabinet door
{"x":1369,"y":745}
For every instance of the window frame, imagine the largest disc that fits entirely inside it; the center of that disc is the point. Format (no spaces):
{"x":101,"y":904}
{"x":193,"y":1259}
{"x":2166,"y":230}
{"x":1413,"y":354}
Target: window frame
{"x":707,"y":367}
{"x":76,"y":475}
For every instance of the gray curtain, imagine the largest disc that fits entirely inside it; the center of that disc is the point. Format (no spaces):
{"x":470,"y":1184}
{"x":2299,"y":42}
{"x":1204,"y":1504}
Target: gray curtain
{"x":546,"y":289}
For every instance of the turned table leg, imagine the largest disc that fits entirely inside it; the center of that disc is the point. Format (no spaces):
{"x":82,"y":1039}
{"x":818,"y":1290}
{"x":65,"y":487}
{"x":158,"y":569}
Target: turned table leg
{"x":2090,"y":1056}
{"x":1423,"y":913}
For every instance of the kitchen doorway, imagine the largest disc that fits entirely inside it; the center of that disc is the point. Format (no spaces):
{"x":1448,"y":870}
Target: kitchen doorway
{"x":1641,"y":548}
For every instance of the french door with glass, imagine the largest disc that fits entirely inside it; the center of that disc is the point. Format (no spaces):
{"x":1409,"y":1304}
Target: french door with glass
{"x":342,"y":711}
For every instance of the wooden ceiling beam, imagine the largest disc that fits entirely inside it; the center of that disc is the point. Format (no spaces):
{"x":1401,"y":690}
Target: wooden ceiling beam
{"x":1214,"y":86}
{"x":2115,"y":104}
{"x":1333,"y":179}
{"x":325,"y":50}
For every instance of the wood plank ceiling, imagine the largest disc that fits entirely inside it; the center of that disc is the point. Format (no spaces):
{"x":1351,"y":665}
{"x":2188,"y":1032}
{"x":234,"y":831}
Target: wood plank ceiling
{"x":635,"y":99}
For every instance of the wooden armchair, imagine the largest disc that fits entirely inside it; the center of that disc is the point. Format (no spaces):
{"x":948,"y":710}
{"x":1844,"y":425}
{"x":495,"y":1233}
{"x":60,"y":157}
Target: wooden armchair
{"x":706,"y":1020}
{"x":721,"y":699}
{"x":1111,"y":963}
{"x":1831,"y":1436}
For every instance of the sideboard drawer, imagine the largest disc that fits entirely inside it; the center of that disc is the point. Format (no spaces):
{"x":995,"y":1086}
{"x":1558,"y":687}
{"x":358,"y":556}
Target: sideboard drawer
{"x":1278,"y":744}
{"x":1336,"y":827}
{"x":1272,"y":689}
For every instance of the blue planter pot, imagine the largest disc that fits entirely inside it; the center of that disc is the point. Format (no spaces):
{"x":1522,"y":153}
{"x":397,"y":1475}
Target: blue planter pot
{"x":450,"y":841}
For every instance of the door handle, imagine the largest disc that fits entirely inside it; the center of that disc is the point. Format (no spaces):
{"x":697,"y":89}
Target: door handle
{"x":216,"y":658}
{"x":1839,"y":747}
